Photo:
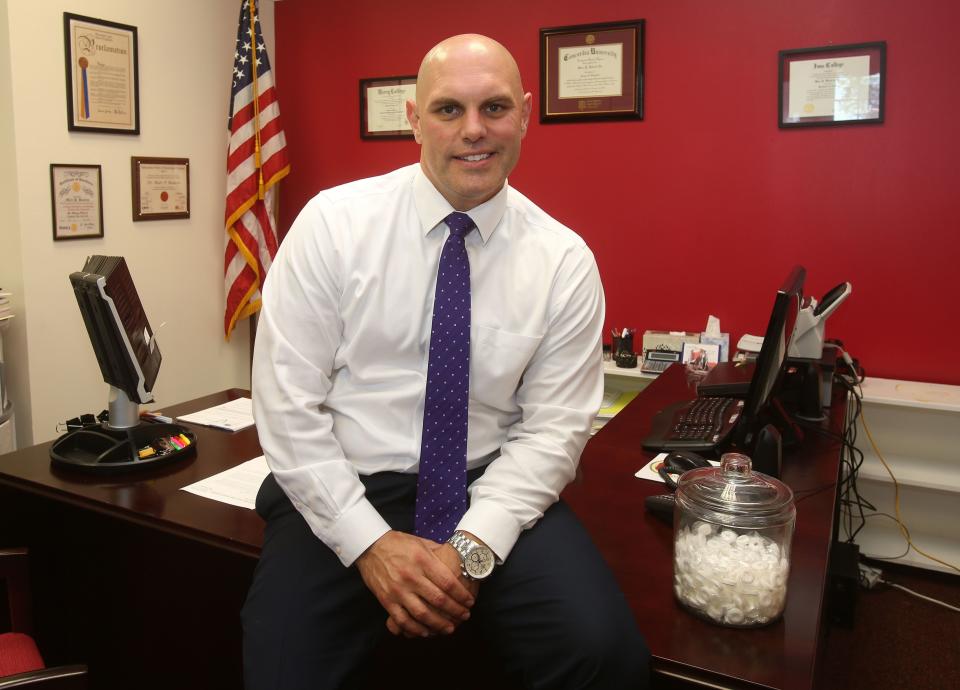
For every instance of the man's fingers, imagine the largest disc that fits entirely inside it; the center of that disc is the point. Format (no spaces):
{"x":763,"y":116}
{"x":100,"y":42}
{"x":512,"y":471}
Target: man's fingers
{"x":442,"y":600}
{"x":428,"y":616}
{"x":405,"y":623}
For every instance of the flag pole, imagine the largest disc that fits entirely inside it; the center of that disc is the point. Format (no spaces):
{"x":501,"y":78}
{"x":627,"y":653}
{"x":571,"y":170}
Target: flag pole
{"x":256,"y":100}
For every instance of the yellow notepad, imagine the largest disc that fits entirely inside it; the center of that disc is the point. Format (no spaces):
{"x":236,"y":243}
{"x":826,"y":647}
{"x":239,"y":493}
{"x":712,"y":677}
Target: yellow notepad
{"x":614,"y":401}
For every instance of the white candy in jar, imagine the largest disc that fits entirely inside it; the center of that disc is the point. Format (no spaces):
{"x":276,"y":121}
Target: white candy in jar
{"x":736,"y":579}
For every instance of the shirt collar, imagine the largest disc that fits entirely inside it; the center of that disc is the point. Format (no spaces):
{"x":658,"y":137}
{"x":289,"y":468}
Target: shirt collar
{"x":432,"y":208}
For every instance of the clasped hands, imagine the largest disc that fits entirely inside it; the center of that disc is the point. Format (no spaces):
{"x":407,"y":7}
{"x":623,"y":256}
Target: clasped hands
{"x":419,"y":583}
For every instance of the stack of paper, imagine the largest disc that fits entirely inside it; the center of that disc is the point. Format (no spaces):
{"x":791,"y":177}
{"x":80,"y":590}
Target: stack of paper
{"x":232,"y":416}
{"x":613,"y":401}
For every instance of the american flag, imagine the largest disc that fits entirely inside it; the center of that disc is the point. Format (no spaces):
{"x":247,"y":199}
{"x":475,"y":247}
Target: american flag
{"x":256,"y":162}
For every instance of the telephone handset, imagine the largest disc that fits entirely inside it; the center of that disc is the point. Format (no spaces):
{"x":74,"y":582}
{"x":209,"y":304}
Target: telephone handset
{"x":807,"y":339}
{"x":832,"y":299}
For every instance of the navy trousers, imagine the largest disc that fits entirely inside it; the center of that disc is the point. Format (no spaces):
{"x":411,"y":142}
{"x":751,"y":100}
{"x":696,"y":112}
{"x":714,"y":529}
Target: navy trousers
{"x":553,"y":612}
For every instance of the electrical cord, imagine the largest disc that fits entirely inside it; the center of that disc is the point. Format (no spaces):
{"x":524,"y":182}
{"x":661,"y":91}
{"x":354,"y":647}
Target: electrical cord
{"x":854,"y":507}
{"x":921,"y":596}
{"x":887,"y":558}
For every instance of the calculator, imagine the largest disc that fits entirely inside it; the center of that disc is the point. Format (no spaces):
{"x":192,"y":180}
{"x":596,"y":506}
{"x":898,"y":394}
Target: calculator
{"x":656,"y":361}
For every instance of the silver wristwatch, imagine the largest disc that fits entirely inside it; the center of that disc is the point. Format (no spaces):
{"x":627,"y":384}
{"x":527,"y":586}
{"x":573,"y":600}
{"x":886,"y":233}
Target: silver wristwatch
{"x":476,"y":560}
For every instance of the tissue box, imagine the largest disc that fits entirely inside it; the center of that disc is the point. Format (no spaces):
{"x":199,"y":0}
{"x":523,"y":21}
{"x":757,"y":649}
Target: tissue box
{"x":723,"y":340}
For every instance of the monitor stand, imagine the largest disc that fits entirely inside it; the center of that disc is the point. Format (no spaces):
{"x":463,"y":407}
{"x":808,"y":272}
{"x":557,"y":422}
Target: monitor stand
{"x":122,"y":442}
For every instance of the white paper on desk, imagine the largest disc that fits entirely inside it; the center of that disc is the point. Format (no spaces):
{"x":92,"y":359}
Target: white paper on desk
{"x":649,"y":471}
{"x":232,"y":416}
{"x":237,"y":486}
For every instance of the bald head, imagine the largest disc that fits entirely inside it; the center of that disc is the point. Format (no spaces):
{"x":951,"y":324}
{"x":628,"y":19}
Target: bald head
{"x":469,"y":116}
{"x":467,"y":52}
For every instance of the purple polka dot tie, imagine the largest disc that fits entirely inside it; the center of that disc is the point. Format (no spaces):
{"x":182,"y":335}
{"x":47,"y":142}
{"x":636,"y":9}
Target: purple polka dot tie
{"x":442,"y":483}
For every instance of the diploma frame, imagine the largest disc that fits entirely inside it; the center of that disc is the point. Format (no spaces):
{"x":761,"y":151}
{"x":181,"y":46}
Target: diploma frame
{"x":605,"y":104}
{"x":365,"y":108}
{"x":70,"y":184}
{"x":174,"y":198}
{"x":872,"y":104}
{"x":80,"y":46}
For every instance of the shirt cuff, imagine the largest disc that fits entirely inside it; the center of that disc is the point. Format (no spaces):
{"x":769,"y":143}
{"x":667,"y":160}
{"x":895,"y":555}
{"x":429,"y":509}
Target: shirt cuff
{"x":354,"y":531}
{"x":493,"y":525}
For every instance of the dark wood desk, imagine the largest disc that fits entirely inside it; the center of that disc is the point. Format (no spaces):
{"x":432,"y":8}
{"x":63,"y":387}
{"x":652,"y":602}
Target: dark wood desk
{"x":137,"y":579}
{"x":639,"y":548}
{"x":144,"y":582}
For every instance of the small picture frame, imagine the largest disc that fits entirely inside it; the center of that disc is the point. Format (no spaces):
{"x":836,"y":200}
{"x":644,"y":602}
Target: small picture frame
{"x":592,"y":72}
{"x":383,"y":107}
{"x":103,"y":91}
{"x":700,"y":356}
{"x":76,"y":195}
{"x":832,"y":85}
{"x":160,"y":188}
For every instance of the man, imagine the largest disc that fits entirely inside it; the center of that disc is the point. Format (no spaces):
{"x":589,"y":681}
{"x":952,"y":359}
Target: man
{"x":433,"y":297}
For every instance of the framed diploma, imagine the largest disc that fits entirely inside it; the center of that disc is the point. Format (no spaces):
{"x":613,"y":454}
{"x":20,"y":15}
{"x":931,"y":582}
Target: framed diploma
{"x":383,"y":107}
{"x":76,"y":193}
{"x":161,"y":188}
{"x":592,"y":72}
{"x":102,"y":88}
{"x":832,"y":85}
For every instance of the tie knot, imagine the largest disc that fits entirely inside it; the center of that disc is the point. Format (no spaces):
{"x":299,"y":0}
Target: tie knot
{"x":459,"y":223}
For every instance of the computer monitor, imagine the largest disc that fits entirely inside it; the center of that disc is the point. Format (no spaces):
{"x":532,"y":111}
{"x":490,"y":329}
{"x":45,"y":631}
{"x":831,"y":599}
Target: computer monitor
{"x":769,"y":366}
{"x":129,"y":360}
{"x":121,"y":336}
{"x":713,"y":424}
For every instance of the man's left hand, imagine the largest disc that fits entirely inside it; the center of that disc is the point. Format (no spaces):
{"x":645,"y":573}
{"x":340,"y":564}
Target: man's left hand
{"x":447,"y":555}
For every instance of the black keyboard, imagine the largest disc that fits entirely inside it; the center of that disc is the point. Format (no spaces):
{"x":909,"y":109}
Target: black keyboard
{"x":700,"y":424}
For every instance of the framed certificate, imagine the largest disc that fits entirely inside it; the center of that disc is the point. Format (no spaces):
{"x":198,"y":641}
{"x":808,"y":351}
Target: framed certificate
{"x":592,"y":72}
{"x":832,"y":85}
{"x":383,"y":107}
{"x":76,"y":194}
{"x":102,"y":88}
{"x":161,"y":188}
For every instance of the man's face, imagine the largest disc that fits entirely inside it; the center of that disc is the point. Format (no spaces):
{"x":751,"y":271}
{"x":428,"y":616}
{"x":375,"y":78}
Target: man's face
{"x":469,"y":118}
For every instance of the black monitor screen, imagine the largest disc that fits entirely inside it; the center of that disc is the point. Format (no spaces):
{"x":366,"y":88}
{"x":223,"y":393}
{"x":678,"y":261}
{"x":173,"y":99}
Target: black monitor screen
{"x":776,"y":339}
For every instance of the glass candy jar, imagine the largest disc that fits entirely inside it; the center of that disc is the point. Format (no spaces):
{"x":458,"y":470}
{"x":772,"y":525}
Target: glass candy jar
{"x":731,"y":544}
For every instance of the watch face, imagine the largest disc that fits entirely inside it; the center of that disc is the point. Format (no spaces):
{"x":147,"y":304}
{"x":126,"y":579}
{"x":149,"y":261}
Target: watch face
{"x":479,"y":562}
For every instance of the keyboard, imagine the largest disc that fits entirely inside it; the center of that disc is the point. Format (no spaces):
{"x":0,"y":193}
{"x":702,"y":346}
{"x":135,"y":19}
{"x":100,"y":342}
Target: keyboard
{"x":701,"y":424}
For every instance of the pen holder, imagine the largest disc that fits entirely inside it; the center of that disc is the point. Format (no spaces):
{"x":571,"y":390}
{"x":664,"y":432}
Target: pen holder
{"x":624,"y":355}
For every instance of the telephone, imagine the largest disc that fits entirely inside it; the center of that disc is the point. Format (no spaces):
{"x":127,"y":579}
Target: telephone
{"x":807,"y":338}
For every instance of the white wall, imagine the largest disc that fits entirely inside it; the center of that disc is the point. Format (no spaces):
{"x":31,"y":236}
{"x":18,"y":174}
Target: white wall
{"x":185,"y":55}
{"x":14,"y":331}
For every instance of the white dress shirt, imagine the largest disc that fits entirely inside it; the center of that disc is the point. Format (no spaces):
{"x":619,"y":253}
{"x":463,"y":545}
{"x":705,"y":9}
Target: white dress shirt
{"x":339,"y":371}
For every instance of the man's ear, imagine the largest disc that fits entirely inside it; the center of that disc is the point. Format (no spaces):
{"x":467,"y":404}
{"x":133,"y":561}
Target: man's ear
{"x":525,"y":110}
{"x":414,"y":119}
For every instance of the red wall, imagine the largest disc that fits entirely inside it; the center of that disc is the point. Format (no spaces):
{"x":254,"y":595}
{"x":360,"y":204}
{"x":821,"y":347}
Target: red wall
{"x":703,"y":206}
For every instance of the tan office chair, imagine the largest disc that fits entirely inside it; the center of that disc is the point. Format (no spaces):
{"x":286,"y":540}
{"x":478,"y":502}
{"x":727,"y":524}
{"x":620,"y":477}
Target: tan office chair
{"x":21,"y":665}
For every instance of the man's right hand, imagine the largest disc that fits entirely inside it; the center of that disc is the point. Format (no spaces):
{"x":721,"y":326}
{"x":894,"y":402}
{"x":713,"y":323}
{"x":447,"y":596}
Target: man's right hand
{"x":419,"y":592}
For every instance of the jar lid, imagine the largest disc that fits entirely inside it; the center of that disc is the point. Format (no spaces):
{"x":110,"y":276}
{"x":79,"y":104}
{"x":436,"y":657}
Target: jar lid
{"x":735,"y":489}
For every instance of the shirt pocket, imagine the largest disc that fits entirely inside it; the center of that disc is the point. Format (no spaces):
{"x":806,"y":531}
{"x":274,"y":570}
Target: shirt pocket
{"x":498,"y":359}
